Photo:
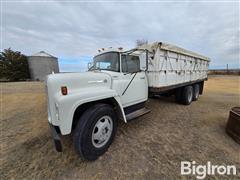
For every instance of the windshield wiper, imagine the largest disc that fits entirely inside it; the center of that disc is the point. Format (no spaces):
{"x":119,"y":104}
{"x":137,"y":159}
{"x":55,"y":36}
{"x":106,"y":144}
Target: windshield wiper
{"x":94,"y":68}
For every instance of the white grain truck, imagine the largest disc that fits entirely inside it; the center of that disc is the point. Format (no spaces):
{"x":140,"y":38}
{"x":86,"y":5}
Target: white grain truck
{"x":116,"y":87}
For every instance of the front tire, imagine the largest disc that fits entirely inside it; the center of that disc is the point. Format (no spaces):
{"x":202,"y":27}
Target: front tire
{"x":95,"y":131}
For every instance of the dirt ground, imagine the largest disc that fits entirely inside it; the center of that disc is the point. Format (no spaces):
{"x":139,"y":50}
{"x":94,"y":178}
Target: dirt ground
{"x":151,"y":147}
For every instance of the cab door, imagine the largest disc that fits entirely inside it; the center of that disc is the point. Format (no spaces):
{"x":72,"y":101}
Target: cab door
{"x":134,"y":81}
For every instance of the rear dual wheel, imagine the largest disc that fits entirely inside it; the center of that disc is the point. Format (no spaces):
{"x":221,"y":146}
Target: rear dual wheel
{"x":195,"y":92}
{"x":187,"y":94}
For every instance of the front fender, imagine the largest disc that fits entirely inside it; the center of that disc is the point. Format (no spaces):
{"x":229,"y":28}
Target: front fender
{"x":69,"y":103}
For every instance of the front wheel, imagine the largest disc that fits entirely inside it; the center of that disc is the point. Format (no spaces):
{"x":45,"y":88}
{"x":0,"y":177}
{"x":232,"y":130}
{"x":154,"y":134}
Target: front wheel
{"x":95,"y":131}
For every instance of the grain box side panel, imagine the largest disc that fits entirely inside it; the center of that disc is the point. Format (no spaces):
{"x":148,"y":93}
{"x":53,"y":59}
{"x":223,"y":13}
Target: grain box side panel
{"x":169,"y":68}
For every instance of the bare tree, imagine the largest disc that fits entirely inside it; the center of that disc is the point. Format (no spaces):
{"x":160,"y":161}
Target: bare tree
{"x":141,"y":42}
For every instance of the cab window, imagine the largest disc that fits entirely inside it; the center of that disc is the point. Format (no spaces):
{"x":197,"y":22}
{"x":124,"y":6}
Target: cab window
{"x":130,"y":63}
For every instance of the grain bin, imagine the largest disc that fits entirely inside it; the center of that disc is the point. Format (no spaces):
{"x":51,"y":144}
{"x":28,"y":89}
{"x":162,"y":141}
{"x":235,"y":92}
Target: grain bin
{"x":42,"y":64}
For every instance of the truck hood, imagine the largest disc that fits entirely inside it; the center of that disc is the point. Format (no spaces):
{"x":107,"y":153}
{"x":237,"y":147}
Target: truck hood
{"x":76,"y":81}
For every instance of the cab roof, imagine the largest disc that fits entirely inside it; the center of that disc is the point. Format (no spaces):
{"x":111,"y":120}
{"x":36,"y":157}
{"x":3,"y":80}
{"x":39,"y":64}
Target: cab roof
{"x":110,"y":49}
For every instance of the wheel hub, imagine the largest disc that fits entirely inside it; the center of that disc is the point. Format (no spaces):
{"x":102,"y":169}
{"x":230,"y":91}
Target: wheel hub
{"x":102,"y":131}
{"x":190,"y":96}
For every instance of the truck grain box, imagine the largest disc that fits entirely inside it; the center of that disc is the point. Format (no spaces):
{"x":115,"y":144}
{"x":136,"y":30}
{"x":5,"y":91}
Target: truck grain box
{"x":116,"y":87}
{"x":170,"y":65}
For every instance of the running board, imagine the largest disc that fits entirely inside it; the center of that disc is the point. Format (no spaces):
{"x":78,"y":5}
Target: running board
{"x":137,"y":113}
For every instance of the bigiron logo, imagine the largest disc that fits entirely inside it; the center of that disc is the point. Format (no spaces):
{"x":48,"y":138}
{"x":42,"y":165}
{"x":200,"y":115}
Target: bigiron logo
{"x":201,"y":171}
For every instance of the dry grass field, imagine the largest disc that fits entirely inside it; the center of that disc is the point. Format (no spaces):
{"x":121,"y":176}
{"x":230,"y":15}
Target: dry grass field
{"x":151,"y":147}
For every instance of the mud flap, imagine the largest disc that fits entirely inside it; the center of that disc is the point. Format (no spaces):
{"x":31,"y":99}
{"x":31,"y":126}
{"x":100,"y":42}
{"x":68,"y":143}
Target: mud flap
{"x":56,"y":138}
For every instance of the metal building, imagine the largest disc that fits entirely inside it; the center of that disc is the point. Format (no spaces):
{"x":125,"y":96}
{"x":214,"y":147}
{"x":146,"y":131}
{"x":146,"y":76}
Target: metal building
{"x":42,"y":64}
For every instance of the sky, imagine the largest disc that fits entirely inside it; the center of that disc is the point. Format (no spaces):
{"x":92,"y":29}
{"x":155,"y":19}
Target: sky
{"x":74,"y":31}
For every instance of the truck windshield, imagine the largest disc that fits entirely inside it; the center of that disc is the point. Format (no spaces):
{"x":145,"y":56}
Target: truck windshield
{"x":107,"y":61}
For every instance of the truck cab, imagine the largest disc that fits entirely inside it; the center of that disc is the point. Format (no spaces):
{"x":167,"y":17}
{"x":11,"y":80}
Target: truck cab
{"x":89,"y":104}
{"x":127,"y":75}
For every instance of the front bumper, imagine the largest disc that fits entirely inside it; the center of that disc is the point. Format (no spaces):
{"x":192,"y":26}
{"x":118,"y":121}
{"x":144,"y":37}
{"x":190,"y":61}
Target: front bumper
{"x":56,"y":138}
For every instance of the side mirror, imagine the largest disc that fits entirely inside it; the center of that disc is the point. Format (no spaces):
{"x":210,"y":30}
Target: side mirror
{"x":89,"y":65}
{"x":143,"y":61}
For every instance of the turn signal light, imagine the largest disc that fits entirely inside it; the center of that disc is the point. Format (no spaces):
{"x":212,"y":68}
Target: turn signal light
{"x":64,"y":90}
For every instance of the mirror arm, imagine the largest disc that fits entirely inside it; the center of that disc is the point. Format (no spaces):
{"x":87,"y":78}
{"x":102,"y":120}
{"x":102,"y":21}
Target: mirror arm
{"x":133,"y":50}
{"x":130,"y":51}
{"x":146,"y":60}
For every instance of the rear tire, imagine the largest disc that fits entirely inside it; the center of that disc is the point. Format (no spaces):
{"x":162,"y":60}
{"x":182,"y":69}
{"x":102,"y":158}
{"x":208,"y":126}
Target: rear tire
{"x":178,"y":95}
{"x":95,"y":131}
{"x":187,"y":95}
{"x":195,"y":92}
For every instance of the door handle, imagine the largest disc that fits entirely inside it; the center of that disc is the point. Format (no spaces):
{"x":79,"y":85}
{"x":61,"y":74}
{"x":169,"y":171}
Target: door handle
{"x":142,"y":77}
